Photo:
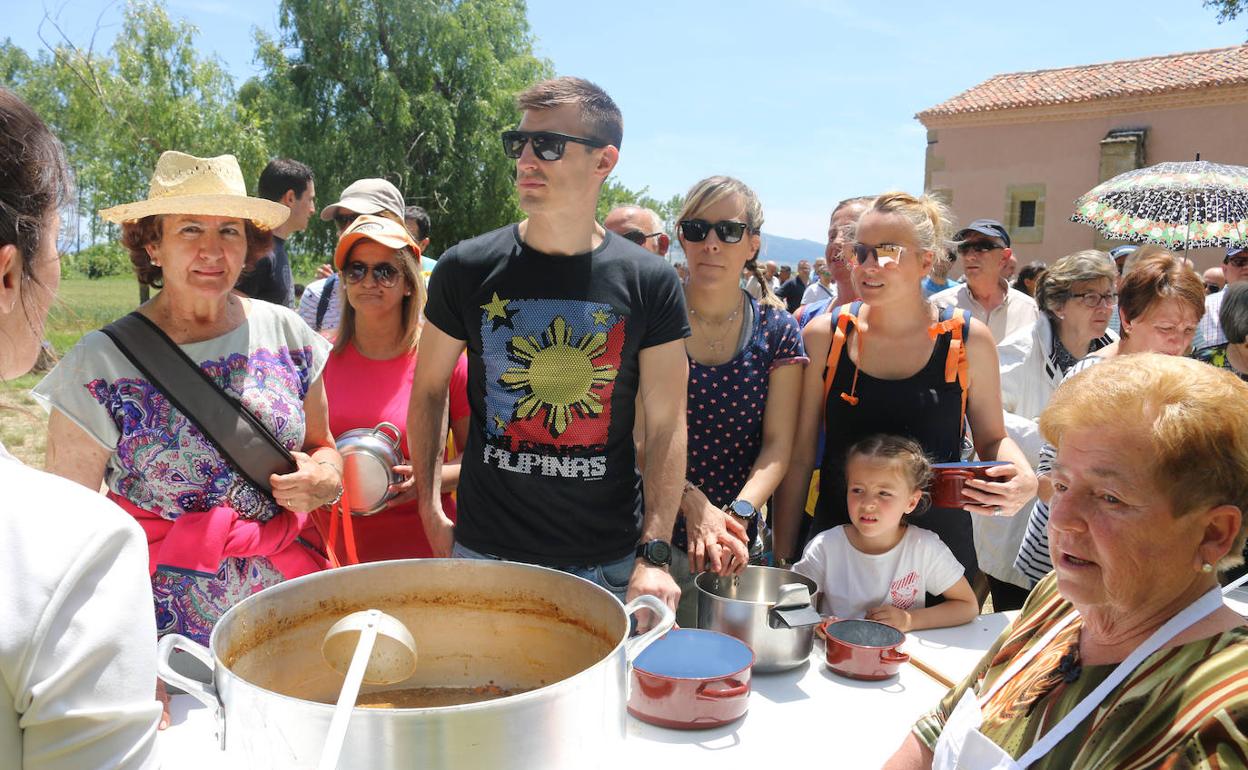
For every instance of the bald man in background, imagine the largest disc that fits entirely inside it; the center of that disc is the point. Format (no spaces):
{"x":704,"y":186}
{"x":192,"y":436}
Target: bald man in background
{"x":643,"y":227}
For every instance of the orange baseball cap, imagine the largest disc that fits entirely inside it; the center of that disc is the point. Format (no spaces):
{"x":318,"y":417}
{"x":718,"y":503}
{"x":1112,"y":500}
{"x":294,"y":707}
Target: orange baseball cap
{"x":385,"y":231}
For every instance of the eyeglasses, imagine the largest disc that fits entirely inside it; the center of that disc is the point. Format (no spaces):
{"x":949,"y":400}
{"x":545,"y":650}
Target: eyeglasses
{"x":344,"y":219}
{"x":386,"y":274}
{"x":1095,"y":298}
{"x":696,"y":230}
{"x":885,"y":254}
{"x":1237,"y":262}
{"x":638,"y":237}
{"x":979,"y":247}
{"x":547,"y":145}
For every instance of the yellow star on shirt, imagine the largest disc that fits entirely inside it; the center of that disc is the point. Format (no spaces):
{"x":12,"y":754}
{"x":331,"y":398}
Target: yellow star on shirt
{"x":602,"y":317}
{"x":496,"y":307}
{"x":500,"y":422}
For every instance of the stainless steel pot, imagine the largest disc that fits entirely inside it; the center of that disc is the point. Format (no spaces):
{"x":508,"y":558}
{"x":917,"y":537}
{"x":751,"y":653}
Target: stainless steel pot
{"x":745,"y":607}
{"x":476,"y":623}
{"x":368,"y":459}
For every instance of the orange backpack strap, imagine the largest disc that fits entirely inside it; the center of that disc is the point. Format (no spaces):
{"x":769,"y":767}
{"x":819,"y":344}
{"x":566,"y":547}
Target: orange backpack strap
{"x":840,"y":332}
{"x":958,"y":325}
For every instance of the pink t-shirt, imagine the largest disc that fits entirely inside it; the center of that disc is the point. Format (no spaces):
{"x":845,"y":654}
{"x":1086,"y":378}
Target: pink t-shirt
{"x":363,"y":392}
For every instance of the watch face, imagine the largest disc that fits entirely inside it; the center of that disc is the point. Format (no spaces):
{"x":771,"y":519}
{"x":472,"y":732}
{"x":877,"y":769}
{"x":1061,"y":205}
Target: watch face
{"x":741,"y":508}
{"x":660,"y":552}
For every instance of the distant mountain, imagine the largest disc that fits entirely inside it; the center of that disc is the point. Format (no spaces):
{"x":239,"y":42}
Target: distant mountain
{"x":787,"y":251}
{"x":784,"y":251}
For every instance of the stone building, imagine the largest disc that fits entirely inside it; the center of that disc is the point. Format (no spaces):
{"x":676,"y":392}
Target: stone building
{"x":1021,"y":147}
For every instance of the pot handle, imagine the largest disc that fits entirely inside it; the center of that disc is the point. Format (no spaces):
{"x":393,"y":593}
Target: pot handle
{"x":393,"y":439}
{"x":667,"y":619}
{"x":821,"y":630}
{"x":792,"y":595}
{"x":200,"y":691}
{"x":892,"y":656}
{"x":736,"y":689}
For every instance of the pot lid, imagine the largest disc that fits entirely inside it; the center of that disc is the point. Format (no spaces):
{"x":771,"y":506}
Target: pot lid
{"x":694,"y":653}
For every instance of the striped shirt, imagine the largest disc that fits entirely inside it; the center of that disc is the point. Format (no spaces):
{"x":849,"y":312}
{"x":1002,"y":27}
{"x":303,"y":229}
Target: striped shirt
{"x":1033,"y":555}
{"x":1183,"y":707}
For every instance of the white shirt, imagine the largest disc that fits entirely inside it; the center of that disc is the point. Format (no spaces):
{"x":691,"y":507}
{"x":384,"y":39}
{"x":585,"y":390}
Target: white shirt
{"x":1209,"y":331}
{"x":755,"y":289}
{"x":1016,"y":311}
{"x":77,"y":629}
{"x":311,"y":299}
{"x":817,"y":291}
{"x":853,"y":582}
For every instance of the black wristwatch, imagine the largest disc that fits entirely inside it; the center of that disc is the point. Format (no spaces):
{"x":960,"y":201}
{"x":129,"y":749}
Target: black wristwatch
{"x":744,"y":510}
{"x":657,"y":552}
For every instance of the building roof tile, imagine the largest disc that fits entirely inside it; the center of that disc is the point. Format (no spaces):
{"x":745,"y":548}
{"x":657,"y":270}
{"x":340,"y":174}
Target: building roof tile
{"x":1132,"y":77}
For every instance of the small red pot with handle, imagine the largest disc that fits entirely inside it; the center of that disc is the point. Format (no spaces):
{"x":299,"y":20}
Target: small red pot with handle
{"x":691,"y":679}
{"x":862,"y":649}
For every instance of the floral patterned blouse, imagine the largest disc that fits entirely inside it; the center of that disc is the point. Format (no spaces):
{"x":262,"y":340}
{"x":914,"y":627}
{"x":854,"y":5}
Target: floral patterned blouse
{"x":161,"y":462}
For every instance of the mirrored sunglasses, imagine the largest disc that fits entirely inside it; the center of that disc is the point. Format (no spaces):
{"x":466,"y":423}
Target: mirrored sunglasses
{"x":885,"y":254}
{"x":385,"y":274}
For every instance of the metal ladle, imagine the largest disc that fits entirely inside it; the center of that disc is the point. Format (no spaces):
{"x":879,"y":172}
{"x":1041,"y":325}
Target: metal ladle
{"x":366,"y":646}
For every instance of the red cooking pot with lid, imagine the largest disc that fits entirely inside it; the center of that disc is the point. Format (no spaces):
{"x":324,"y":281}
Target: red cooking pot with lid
{"x":862,"y":649}
{"x":691,"y":679}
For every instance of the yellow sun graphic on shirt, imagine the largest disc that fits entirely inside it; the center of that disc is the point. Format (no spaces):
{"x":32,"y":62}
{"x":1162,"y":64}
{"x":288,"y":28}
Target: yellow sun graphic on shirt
{"x":558,"y":375}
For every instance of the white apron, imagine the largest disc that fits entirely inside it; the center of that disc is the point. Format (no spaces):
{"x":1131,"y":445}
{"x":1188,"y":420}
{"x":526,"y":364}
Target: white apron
{"x":963,"y":747}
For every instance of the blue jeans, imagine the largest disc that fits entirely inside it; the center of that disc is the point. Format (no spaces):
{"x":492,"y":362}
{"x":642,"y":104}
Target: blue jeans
{"x":612,"y":576}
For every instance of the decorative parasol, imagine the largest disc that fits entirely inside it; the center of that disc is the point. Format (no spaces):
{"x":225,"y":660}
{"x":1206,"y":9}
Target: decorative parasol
{"x":1177,"y":205}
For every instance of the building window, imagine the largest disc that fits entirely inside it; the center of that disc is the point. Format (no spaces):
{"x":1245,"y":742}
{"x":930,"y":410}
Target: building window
{"x":1024,"y":213}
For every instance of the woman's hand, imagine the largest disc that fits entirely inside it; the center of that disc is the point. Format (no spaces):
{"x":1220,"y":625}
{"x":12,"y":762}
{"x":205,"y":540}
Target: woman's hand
{"x":893,"y":616}
{"x":1017,"y":486}
{"x":404,"y":490}
{"x":311,"y":485}
{"x":717,"y":541}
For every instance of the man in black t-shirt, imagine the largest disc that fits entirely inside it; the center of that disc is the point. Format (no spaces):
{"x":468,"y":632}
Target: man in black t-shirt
{"x":791,"y":290}
{"x":568,"y":329}
{"x":290,"y":183}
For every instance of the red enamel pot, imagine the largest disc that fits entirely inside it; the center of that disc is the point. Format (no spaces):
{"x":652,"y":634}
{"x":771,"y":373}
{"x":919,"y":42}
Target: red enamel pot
{"x":949,"y":478}
{"x":691,"y":679}
{"x":862,"y":649}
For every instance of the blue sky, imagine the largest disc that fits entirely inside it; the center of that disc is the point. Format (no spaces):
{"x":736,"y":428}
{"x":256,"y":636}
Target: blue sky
{"x":808,"y":101}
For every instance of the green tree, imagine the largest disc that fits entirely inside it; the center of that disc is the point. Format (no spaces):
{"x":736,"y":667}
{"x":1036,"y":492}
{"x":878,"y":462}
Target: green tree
{"x":1228,"y":10}
{"x":117,"y":112}
{"x":416,"y":93}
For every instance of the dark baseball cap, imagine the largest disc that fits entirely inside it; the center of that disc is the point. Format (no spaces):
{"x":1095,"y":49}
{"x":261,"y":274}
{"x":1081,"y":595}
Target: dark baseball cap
{"x":1123,"y":251}
{"x":1234,"y":251}
{"x":989,"y":227}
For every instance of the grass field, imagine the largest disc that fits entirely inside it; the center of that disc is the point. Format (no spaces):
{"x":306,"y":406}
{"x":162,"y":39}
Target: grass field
{"x":83,"y":305}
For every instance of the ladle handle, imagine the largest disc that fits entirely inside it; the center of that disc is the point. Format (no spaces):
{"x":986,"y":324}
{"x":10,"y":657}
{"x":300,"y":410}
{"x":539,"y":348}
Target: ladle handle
{"x":666,"y":619}
{"x":200,"y":691}
{"x":346,"y":699}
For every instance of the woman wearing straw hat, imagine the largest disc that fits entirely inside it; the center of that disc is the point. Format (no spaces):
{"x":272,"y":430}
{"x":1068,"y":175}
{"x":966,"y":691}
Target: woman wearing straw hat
{"x":211,"y":530}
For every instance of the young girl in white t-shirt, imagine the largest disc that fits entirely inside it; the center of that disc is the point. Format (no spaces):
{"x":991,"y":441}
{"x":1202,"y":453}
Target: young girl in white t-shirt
{"x":878,"y":567}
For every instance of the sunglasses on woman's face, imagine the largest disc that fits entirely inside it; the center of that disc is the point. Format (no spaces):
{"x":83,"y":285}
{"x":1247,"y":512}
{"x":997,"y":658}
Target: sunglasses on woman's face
{"x":696,"y":230}
{"x":885,"y":254}
{"x":547,"y":145}
{"x":344,"y":219}
{"x":385,"y":274}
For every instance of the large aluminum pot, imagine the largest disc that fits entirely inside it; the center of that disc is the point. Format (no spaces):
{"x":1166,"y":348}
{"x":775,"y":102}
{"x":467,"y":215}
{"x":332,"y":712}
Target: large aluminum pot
{"x":744,"y":606}
{"x":476,"y":624}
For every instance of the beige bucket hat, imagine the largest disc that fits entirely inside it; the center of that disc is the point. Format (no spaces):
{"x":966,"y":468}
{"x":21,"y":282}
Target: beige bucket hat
{"x":185,"y":184}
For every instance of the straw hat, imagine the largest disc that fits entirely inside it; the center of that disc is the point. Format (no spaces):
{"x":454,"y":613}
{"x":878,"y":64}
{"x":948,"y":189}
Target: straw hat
{"x":387,"y":232}
{"x":185,"y":184}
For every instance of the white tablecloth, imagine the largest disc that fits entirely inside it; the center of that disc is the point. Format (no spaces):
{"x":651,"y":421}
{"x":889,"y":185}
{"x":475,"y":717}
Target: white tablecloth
{"x":806,"y":716}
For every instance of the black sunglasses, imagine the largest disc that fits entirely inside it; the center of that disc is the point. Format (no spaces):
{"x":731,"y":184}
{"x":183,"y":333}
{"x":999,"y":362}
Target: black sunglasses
{"x":1237,"y":262}
{"x":638,"y":237}
{"x":1212,"y":288}
{"x":547,"y":145}
{"x":386,"y":274}
{"x":344,"y":219}
{"x":979,"y":247}
{"x":696,"y":230}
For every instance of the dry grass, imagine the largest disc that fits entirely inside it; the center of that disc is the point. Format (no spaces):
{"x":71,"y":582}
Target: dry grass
{"x":83,"y":305}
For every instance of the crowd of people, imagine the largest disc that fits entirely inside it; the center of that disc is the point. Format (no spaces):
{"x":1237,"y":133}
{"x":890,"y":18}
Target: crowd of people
{"x":564,"y":397}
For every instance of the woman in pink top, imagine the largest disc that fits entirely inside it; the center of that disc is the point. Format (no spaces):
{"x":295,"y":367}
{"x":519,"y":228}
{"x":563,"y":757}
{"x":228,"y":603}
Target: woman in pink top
{"x":369,"y":375}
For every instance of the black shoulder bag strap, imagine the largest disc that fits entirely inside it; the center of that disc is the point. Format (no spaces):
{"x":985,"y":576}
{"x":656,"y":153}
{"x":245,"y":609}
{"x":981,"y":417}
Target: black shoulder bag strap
{"x":221,"y":417}
{"x":322,"y":305}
